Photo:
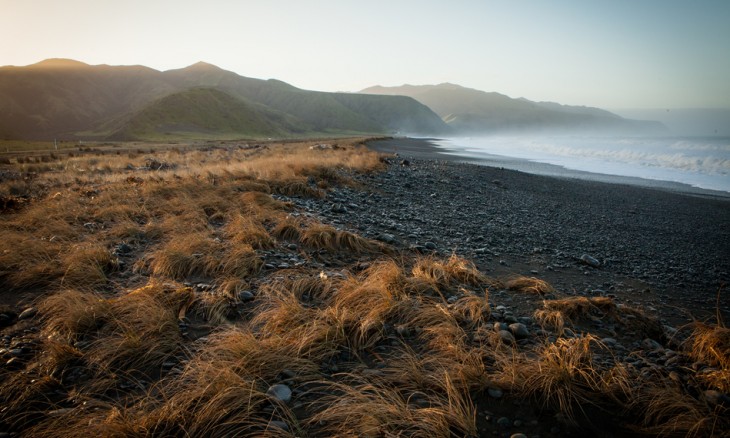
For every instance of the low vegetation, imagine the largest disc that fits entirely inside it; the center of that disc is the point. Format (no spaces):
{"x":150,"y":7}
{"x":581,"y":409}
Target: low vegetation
{"x":180,"y":291}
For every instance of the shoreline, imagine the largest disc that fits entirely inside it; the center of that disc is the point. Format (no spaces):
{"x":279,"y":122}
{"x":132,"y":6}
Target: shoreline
{"x":665,"y":249}
{"x":425,"y":148}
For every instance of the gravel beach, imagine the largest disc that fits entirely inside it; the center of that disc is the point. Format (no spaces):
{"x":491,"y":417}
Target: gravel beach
{"x":664,"y":250}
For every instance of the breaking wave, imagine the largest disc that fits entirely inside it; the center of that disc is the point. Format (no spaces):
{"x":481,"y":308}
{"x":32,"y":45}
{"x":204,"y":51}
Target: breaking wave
{"x":701,"y":162}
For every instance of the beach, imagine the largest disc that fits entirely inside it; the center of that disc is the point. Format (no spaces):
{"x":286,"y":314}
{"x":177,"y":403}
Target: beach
{"x":665,"y":247}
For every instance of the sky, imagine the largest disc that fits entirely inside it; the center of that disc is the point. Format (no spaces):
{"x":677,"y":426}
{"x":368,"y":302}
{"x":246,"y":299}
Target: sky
{"x":604,"y":53}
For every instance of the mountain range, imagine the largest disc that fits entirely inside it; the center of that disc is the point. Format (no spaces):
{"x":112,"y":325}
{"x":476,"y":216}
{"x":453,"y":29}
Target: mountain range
{"x":67,"y":99}
{"x":473,"y":112}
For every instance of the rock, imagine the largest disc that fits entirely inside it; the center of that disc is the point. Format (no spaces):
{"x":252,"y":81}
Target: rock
{"x":500,"y":326}
{"x":518,"y":435}
{"x":509,"y":318}
{"x":279,"y":425}
{"x":650,"y":344}
{"x":590,"y":261}
{"x":280,"y":392}
{"x":610,"y":342}
{"x":507,"y":337}
{"x":122,"y":249}
{"x":495,"y":392}
{"x":430,"y":246}
{"x":246,"y":296}
{"x":386,"y":238}
{"x":504,"y":422}
{"x":519,"y":330}
{"x":27,"y":313}
{"x":6,"y":319}
{"x":339,"y":208}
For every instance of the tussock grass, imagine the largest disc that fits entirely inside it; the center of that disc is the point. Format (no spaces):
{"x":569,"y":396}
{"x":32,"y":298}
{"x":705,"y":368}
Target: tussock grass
{"x":326,"y":237}
{"x":246,"y":230}
{"x":555,"y":313}
{"x":71,"y":314}
{"x":710,"y":344}
{"x":287,"y":229}
{"x":529,"y":285}
{"x":442,"y":274}
{"x":87,"y":266}
{"x":565,"y":377}
{"x":666,"y":410}
{"x":371,"y":409}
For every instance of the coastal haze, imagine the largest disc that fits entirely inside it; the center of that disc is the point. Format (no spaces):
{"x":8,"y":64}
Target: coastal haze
{"x":342,"y":218}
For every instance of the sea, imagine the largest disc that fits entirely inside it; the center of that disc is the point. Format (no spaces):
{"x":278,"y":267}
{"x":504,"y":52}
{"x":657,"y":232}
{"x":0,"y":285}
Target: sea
{"x":698,"y":162}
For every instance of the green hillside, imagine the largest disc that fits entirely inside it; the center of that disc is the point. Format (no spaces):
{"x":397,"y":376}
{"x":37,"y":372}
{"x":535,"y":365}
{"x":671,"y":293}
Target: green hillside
{"x":68,"y":99}
{"x":204,"y":113}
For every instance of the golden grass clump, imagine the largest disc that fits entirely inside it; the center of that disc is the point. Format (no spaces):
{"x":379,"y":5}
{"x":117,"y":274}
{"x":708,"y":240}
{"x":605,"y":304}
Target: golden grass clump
{"x":141,"y":333}
{"x":27,"y":262}
{"x":287,"y":229}
{"x":72,"y":314}
{"x":213,"y":400}
{"x":529,"y":285}
{"x":320,"y":236}
{"x":298,"y":188}
{"x":666,"y":410}
{"x":246,"y":230}
{"x":442,"y":274}
{"x":184,"y":256}
{"x":87,"y":266}
{"x":564,"y":377}
{"x":709,"y":344}
{"x":372,"y":409}
{"x":555,"y":313}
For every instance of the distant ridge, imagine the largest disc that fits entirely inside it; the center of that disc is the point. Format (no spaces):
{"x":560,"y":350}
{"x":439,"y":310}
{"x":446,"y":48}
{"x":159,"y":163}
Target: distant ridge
{"x":470,"y":111}
{"x":63,"y":98}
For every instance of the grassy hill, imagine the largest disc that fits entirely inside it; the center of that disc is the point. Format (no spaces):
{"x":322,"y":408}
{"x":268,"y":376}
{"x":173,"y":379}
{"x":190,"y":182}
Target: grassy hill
{"x":203,"y":113}
{"x":470,"y":111}
{"x":68,"y":99}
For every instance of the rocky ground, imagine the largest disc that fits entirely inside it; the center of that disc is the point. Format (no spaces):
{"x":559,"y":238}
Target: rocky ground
{"x":666,"y":251}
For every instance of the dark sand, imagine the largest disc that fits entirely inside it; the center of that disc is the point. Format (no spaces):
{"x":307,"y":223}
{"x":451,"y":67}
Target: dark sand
{"x":662,"y":249}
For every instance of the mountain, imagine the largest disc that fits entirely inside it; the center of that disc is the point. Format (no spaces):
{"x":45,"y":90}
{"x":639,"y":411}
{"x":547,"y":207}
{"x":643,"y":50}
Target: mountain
{"x":62,"y":98}
{"x":469,"y":111}
{"x":201,"y":113}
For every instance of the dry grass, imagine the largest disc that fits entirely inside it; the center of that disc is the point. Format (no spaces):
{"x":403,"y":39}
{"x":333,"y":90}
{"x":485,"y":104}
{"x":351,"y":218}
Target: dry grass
{"x":383,"y":347}
{"x":371,"y":409}
{"x":565,"y":377}
{"x":529,"y":285}
{"x":326,"y":237}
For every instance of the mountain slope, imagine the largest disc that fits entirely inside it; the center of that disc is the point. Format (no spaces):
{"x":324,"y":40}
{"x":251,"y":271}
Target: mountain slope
{"x":201,"y":113}
{"x":68,"y":99}
{"x":470,"y":111}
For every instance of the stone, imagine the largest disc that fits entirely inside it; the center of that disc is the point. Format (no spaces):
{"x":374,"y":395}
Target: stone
{"x":590,"y":261}
{"x":279,"y":392}
{"x":518,"y":435}
{"x":386,"y":238}
{"x":430,"y":246}
{"x":246,"y":296}
{"x":519,"y":330}
{"x":650,"y":344}
{"x":339,"y":208}
{"x":500,"y":326}
{"x":504,"y":422}
{"x":279,"y":425}
{"x":27,"y":313}
{"x":495,"y":392}
{"x":507,"y":337}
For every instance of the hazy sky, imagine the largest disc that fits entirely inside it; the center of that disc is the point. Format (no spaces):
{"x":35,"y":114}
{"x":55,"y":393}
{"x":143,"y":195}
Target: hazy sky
{"x":605,"y":53}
